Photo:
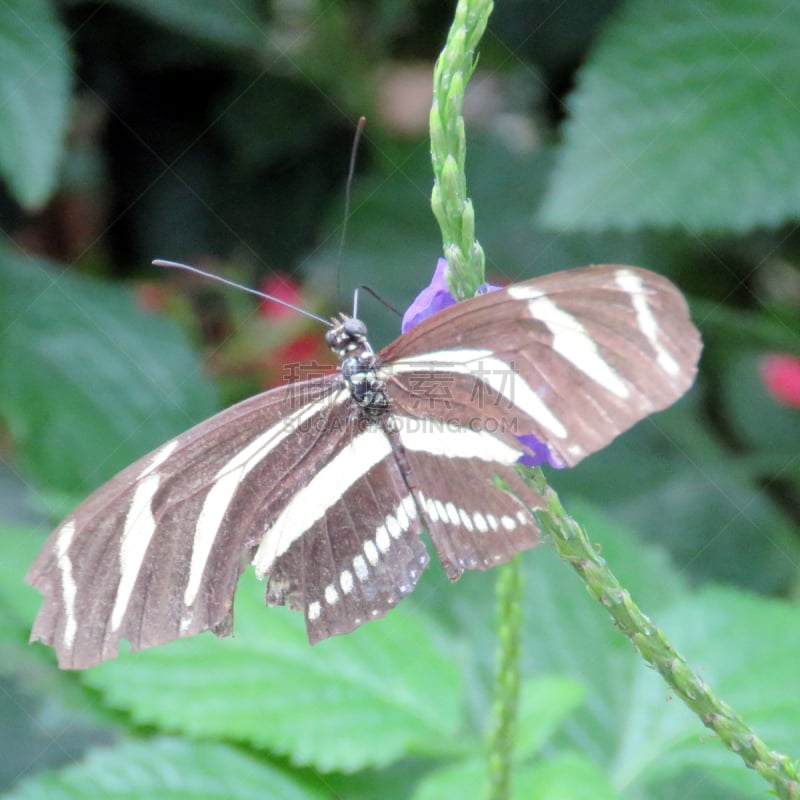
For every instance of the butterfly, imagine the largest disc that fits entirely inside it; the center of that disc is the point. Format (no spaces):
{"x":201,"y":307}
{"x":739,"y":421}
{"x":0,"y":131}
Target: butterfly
{"x":326,"y":484}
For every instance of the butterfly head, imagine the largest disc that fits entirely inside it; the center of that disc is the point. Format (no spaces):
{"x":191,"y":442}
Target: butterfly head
{"x":348,"y":337}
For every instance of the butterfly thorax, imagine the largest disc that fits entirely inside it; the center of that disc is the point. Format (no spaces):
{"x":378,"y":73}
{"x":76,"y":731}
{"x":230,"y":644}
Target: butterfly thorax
{"x":358,"y":364}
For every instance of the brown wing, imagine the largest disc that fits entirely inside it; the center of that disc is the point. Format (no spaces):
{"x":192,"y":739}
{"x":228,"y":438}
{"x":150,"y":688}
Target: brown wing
{"x":573,"y":358}
{"x":347,"y":548}
{"x":473,"y":522}
{"x":156,"y":552}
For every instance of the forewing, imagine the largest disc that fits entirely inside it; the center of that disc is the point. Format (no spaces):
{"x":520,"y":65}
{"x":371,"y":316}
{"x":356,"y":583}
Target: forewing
{"x":156,"y":552}
{"x":573,"y":358}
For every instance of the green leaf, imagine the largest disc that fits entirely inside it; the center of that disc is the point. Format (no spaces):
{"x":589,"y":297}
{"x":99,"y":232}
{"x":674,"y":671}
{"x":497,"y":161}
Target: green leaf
{"x":88,"y":382}
{"x":359,"y":700}
{"x":698,"y":784}
{"x":34,"y":98}
{"x":237,"y":25}
{"x":466,"y":780}
{"x":543,"y":704}
{"x":746,"y":649}
{"x":18,"y":548}
{"x":396,"y":782}
{"x":40,"y":706}
{"x":720,"y":633}
{"x":166,"y":769}
{"x":660,"y":448}
{"x":686,"y":114}
{"x":718,"y":527}
{"x":567,"y":776}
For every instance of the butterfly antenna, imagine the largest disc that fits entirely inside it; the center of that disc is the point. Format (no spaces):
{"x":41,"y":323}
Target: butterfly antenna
{"x":160,"y":262}
{"x":370,"y":291}
{"x":362,"y":121}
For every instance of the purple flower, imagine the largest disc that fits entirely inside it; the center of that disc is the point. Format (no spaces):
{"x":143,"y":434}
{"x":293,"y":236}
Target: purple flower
{"x":435,"y":297}
{"x":431,"y":299}
{"x":539,"y":454}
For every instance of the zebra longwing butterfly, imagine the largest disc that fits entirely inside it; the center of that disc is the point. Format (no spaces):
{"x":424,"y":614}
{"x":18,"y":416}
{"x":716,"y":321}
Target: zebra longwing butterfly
{"x":325,"y":485}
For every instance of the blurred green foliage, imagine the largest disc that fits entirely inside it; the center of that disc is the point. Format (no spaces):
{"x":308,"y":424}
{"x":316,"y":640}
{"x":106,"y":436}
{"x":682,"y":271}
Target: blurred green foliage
{"x":218,"y":132}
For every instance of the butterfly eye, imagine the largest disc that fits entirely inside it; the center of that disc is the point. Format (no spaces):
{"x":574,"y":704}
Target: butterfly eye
{"x":355,"y":328}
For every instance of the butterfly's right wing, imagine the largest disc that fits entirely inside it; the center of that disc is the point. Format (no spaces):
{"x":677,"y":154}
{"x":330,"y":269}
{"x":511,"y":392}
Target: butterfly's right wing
{"x":573,"y":358}
{"x":156,"y":552}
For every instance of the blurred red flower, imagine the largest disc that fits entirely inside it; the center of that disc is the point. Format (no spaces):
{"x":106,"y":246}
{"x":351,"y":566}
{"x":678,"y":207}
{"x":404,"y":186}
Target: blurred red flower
{"x":781,"y":375}
{"x":284,"y":289}
{"x":305,"y":355}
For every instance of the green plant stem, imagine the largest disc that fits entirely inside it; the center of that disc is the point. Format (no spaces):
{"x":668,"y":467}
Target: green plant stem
{"x":449,"y":201}
{"x":509,"y":593}
{"x":573,"y":546}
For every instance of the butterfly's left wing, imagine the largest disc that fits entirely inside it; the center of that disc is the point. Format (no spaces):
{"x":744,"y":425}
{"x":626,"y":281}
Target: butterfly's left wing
{"x":156,"y":552}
